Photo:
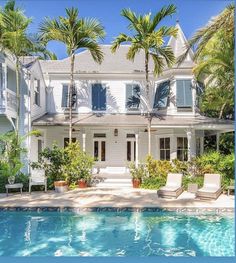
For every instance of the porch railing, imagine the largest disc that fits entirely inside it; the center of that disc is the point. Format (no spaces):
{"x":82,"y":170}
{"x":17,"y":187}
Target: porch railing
{"x":11,"y":100}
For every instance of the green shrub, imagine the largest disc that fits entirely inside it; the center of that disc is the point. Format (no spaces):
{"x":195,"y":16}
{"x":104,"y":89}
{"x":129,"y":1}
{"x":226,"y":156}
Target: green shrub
{"x":78,"y":164}
{"x":52,"y":160}
{"x":157,"y":167}
{"x":153,"y":182}
{"x":139,"y":172}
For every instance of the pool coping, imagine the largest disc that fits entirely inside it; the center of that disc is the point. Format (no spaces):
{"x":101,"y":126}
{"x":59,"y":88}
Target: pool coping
{"x":198,"y":210}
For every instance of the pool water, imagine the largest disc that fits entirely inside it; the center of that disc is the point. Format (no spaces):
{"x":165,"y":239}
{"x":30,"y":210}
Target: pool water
{"x":115,"y":234}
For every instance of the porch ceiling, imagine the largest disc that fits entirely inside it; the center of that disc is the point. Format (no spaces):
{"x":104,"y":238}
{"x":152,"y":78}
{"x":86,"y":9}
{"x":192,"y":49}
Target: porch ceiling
{"x":116,"y":120}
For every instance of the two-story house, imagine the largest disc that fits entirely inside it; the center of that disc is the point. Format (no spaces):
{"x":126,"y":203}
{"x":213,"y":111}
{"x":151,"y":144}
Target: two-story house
{"x":109,"y":109}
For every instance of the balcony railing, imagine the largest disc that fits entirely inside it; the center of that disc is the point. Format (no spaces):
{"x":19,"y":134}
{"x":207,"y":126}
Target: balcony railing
{"x":8,"y":100}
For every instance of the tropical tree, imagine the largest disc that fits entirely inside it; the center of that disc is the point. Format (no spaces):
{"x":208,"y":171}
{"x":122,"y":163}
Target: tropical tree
{"x":147,"y":37}
{"x":223,"y":22}
{"x":15,"y":40}
{"x":75,"y":33}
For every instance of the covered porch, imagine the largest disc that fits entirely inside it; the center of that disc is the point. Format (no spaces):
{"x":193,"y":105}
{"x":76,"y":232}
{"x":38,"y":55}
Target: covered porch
{"x":117,"y":139}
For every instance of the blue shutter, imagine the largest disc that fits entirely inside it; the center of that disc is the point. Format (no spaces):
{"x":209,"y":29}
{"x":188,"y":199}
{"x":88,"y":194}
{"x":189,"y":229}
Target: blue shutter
{"x":188,"y":93}
{"x":161,"y":95}
{"x":65,"y":94}
{"x":184,"y":93}
{"x":98,"y":97}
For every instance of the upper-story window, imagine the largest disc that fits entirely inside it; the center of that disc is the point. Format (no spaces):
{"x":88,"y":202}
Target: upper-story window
{"x":65,"y":96}
{"x":162,"y":94}
{"x":99,"y":100}
{"x":132,"y":96}
{"x":184,"y":98}
{"x":37,"y":92}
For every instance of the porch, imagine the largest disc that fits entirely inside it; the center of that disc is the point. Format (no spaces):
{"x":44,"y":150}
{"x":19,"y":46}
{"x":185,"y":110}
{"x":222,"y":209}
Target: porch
{"x":117,"y":139}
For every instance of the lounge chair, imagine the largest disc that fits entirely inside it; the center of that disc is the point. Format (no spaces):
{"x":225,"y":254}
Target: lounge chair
{"x":173,"y":187}
{"x":211,"y":187}
{"x":37,"y":177}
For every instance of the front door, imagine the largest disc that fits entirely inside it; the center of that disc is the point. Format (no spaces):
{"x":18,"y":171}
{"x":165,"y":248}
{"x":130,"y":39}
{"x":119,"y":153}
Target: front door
{"x":99,"y":150}
{"x":131,"y":150}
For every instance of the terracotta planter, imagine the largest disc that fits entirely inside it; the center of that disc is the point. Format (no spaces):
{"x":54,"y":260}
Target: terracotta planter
{"x":61,"y":186}
{"x":136,"y":183}
{"x":82,"y":184}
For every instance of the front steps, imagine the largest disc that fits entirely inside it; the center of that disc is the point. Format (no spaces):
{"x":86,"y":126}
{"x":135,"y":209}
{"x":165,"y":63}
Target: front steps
{"x":115,"y":181}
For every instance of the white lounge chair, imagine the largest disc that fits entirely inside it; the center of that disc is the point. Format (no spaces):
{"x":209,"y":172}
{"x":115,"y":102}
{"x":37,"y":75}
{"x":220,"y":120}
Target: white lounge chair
{"x":211,"y":187}
{"x":37,"y":177}
{"x":173,"y":187}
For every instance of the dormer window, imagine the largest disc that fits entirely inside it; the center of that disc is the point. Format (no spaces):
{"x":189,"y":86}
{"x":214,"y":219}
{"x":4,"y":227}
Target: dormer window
{"x":161,"y":96}
{"x":132,"y":97}
{"x":184,"y":97}
{"x":99,"y":100}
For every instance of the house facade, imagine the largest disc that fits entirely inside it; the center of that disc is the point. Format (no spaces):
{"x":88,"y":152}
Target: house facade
{"x":110,"y":106}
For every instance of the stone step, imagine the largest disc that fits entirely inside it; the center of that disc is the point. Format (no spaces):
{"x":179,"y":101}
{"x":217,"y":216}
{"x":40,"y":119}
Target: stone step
{"x":115,"y":183}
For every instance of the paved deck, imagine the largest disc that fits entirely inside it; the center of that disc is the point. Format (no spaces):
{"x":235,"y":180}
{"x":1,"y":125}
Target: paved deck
{"x":94,"y":197}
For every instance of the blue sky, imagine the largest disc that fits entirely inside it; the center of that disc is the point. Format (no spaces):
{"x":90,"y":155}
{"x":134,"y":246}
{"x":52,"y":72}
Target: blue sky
{"x":192,"y":14}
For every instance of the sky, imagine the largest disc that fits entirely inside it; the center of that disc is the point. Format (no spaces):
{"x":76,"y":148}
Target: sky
{"x":192,"y":14}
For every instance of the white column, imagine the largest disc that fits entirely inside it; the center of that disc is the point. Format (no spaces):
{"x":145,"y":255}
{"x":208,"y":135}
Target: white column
{"x":217,"y":141}
{"x":84,"y":141}
{"x":191,"y":144}
{"x":136,"y":150}
{"x":194,"y":96}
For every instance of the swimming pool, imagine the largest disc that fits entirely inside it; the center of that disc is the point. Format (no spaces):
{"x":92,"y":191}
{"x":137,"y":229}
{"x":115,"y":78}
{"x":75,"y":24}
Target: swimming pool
{"x":115,"y":234}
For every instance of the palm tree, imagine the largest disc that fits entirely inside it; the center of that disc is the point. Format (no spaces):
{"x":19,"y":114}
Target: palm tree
{"x":147,"y":38}
{"x":224,"y":21}
{"x":14,"y":39}
{"x":215,"y":64}
{"x":75,"y":33}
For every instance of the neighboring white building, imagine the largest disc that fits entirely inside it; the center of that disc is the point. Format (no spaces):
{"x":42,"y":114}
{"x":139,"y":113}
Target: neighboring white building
{"x":109,"y":108}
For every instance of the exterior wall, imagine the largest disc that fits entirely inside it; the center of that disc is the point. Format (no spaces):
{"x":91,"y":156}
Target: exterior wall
{"x":5,"y":124}
{"x":36,"y":73}
{"x":115,"y":94}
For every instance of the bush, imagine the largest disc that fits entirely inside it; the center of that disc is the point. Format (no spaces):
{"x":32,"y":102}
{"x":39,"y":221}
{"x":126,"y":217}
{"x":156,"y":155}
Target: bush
{"x":78,"y":164}
{"x":52,"y":161}
{"x":139,"y":172}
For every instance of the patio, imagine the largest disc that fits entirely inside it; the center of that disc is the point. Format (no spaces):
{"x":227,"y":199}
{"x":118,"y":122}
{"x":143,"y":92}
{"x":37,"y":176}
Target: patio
{"x":94,"y":197}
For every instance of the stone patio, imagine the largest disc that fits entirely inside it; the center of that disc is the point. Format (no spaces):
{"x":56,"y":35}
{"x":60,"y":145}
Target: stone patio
{"x":95,"y":197}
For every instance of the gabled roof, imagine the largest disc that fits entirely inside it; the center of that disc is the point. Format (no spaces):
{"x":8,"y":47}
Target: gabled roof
{"x":179,"y":45}
{"x":28,"y":61}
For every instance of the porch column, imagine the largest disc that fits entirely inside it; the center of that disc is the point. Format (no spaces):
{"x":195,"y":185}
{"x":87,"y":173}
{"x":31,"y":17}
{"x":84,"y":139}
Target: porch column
{"x":136,"y":150}
{"x":84,"y":141}
{"x":217,"y":141}
{"x":194,"y":96}
{"x":201,"y":145}
{"x":191,"y":144}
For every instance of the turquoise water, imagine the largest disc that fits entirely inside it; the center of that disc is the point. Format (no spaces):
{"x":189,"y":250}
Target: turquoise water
{"x":115,"y":234}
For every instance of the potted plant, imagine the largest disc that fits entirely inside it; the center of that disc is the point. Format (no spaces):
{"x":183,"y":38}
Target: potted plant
{"x":78,"y":166}
{"x":52,"y":160}
{"x":137,"y":174}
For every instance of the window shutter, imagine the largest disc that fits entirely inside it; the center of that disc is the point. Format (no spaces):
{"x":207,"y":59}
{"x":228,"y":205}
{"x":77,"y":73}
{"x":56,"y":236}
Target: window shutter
{"x":128,"y":95}
{"x":161,"y":96}
{"x":98,"y":97}
{"x":184,"y":93}
{"x":65,"y":94}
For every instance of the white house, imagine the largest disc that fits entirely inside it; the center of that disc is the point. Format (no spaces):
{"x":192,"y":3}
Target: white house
{"x":109,"y":108}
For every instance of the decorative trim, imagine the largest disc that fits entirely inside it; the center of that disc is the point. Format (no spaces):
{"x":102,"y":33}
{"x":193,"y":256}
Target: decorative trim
{"x":187,"y":210}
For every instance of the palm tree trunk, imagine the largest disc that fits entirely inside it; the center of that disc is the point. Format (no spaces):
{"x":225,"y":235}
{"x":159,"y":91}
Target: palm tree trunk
{"x":18,"y":100}
{"x":148,"y":101}
{"x":222,"y":110}
{"x":72,"y":62}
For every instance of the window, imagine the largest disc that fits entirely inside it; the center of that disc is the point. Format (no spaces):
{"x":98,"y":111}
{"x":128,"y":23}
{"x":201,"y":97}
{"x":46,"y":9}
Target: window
{"x":182,"y":148}
{"x":164,"y":148}
{"x":161,"y":96}
{"x":37,"y":92}
{"x":99,"y":135}
{"x":66,"y":141}
{"x":184,"y":97}
{"x":132,"y":96}
{"x":65,"y":96}
{"x":99,"y":150}
{"x":131,"y":150}
{"x":98,"y":97}
{"x":40,"y":148}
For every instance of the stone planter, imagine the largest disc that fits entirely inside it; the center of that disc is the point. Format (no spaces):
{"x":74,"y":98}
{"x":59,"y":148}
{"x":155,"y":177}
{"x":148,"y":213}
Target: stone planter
{"x":82,"y":184}
{"x":61,"y":186}
{"x":136,"y":183}
{"x":11,"y":179}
